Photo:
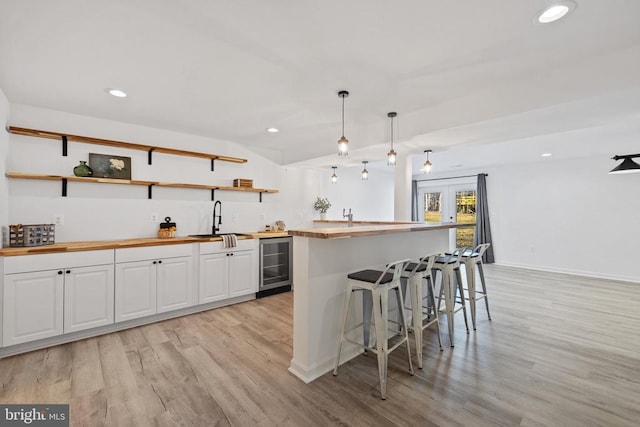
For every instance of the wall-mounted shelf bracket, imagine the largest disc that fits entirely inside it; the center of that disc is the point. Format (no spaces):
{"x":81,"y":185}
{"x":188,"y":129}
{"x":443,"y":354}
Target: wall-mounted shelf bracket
{"x":64,"y":145}
{"x":150,"y":156}
{"x":64,"y":187}
{"x":213,"y":194}
{"x":150,"y":195}
{"x":213,"y":168}
{"x":260,"y":196}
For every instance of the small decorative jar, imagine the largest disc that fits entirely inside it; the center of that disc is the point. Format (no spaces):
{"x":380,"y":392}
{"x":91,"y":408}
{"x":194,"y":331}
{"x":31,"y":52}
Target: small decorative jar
{"x":83,"y":169}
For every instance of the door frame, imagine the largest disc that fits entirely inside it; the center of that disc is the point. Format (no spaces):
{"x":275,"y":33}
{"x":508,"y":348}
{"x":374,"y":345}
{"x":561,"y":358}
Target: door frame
{"x":448,"y":189}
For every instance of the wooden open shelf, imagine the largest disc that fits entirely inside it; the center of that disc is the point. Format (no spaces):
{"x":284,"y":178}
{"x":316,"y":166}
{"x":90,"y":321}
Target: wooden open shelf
{"x":64,"y":137}
{"x":149,"y":184}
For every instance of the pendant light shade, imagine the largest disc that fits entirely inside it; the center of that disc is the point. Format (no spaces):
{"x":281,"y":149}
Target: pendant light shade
{"x":343,"y":143}
{"x":392,"y":156}
{"x":365,"y":172}
{"x":627,"y":165}
{"x":334,"y":177}
{"x":427,"y":164}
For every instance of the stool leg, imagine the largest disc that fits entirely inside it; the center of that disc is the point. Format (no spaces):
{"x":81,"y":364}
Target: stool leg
{"x":345,"y":313}
{"x":484,"y":287}
{"x":380,"y":307}
{"x":406,"y":332}
{"x":367,"y":306}
{"x":448,"y":301}
{"x":415,"y":287}
{"x":461,"y":290}
{"x":432,"y":294}
{"x":471,"y":286}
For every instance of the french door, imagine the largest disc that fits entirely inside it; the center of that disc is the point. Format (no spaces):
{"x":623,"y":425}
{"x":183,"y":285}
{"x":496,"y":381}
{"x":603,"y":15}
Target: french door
{"x":450,"y":203}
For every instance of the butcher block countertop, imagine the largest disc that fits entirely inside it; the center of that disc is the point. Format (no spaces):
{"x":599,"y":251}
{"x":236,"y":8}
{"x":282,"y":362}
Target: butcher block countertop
{"x":371,"y":230}
{"x":268,"y":234}
{"x":107,"y":244}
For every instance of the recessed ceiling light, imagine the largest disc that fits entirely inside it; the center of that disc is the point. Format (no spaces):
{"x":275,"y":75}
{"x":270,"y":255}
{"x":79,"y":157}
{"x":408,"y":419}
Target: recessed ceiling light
{"x":546,"y":155}
{"x":117,"y":93}
{"x":555,"y":12}
{"x":273,"y":130}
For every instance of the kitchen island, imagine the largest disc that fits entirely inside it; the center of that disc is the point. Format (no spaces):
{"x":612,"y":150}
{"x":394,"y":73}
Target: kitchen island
{"x":323,"y":258}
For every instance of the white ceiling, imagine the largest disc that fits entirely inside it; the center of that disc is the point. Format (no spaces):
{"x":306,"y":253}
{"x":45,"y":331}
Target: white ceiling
{"x":459,"y":73}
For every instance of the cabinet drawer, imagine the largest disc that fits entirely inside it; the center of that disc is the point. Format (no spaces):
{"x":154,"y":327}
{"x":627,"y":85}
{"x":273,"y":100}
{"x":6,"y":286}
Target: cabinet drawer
{"x":217,"y":247}
{"x":153,"y":252}
{"x":41,"y":262}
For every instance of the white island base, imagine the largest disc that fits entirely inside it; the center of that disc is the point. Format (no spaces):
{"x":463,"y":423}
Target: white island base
{"x":320,"y":267}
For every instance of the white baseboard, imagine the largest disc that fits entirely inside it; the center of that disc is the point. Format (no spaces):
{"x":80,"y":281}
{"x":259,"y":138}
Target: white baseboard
{"x":634,"y":280}
{"x":308,"y":374}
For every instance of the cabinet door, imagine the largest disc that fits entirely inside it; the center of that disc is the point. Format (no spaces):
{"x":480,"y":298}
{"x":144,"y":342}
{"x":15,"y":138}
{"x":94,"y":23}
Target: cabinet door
{"x":135,"y":290}
{"x":33,"y":304}
{"x":214,"y":277}
{"x":88,"y":297}
{"x":175,"y":284}
{"x":243,"y":273}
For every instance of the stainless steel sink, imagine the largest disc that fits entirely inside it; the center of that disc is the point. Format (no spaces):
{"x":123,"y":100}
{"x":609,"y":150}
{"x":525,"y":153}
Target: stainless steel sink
{"x":210,"y":236}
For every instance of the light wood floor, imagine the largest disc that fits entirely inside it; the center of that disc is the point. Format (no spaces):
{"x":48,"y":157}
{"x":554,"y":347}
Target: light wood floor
{"x":560,"y":351}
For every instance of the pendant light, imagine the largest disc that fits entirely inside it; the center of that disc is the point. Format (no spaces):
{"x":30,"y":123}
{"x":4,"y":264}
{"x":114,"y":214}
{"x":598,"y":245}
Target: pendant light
{"x":427,"y":164}
{"x":391,"y":155}
{"x":334,"y":177}
{"x":343,"y":143}
{"x":627,"y":165}
{"x":365,"y":172}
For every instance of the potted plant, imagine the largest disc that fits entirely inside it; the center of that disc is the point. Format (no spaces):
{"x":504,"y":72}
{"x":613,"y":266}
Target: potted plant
{"x":322,"y":205}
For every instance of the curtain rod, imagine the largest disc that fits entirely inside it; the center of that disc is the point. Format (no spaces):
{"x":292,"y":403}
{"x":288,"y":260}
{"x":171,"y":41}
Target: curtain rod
{"x":451,"y":177}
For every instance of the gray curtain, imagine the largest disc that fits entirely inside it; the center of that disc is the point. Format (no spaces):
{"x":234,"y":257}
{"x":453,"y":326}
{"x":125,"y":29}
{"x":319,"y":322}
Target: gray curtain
{"x":483,"y":227}
{"x":414,"y":200}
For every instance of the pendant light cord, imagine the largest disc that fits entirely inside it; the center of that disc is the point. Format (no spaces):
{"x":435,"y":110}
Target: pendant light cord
{"x":391,"y":133}
{"x":343,"y":116}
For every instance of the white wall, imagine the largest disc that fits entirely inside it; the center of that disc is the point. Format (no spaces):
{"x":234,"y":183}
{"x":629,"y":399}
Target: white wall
{"x":564,"y":215}
{"x":4,"y":149}
{"x":568,"y":216}
{"x":370,"y":200}
{"x":100,"y":211}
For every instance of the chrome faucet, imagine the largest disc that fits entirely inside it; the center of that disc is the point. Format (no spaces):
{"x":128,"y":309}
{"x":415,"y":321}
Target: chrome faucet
{"x":214,"y":228}
{"x":349,"y":216}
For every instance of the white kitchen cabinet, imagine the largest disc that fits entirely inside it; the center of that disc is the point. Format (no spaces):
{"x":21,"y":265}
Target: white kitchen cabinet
{"x":243,"y":270}
{"x":228,"y":272}
{"x":135,"y":290}
{"x":175,"y":284}
{"x":153,"y":280}
{"x":88,"y":297}
{"x":33,"y":306}
{"x":214,"y":277}
{"x":42,"y":299}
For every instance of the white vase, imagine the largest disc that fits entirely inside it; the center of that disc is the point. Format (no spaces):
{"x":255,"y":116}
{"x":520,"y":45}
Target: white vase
{"x":323,"y":216}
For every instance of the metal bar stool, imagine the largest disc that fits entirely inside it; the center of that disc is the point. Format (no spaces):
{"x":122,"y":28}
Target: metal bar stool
{"x":449,"y":265}
{"x":422,"y":316}
{"x":471,"y":259}
{"x":379,"y":283}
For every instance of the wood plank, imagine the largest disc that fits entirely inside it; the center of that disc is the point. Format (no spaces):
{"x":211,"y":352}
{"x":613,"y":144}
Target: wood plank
{"x":560,"y":350}
{"x":372,"y":230}
{"x":121,"y":144}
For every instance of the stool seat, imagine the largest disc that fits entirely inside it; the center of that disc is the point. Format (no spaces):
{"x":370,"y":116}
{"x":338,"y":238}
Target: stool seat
{"x":371,"y":276}
{"x":412,"y":265}
{"x":446,"y":260}
{"x":466,"y":254}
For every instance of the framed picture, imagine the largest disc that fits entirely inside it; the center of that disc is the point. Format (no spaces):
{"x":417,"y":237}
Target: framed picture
{"x":106,"y":166}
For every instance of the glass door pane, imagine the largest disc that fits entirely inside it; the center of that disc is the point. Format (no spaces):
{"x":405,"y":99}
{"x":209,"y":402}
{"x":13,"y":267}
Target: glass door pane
{"x":433,"y":206}
{"x":465,"y":213}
